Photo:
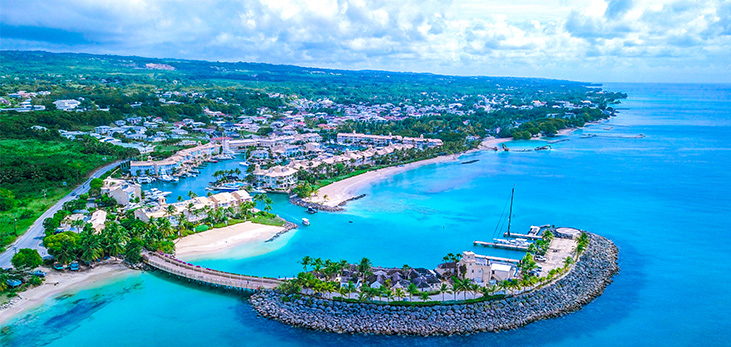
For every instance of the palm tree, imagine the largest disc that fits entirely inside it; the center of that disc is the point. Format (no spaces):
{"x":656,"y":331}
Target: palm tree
{"x":364,"y":267}
{"x":412,"y":290}
{"x":318,"y":263}
{"x":192,"y":195}
{"x":444,"y":289}
{"x":306,"y":261}
{"x":387,"y":292}
{"x":424,"y":296}
{"x":400,"y":293}
{"x":91,"y":247}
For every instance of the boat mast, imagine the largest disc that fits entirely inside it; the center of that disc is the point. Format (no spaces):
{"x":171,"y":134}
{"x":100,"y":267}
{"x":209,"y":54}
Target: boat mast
{"x":510,"y":215}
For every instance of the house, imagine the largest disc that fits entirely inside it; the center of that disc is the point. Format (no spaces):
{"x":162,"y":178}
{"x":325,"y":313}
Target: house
{"x":97,"y":220}
{"x":66,"y":105}
{"x":123,"y":192}
{"x":102,"y":129}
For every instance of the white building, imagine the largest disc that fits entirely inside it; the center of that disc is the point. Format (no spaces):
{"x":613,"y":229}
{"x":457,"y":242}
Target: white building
{"x":276,"y":178}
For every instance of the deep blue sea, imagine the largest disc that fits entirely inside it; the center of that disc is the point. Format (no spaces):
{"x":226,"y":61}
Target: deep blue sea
{"x":664,"y":199}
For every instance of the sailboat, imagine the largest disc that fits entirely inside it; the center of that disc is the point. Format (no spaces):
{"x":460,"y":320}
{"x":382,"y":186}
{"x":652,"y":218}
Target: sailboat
{"x":510,"y":222}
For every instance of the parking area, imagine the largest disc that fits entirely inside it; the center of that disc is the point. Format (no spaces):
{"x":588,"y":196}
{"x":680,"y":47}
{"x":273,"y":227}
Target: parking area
{"x":557,"y":253}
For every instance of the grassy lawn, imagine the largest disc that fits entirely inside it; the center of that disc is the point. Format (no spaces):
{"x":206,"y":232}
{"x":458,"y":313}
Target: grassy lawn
{"x":269,"y":220}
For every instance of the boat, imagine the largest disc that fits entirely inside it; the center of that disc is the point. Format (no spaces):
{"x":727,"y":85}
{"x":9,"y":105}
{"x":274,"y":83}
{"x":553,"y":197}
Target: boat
{"x":194,"y":171}
{"x":74,"y":266}
{"x":144,"y":179}
{"x":543,"y":148}
{"x":212,"y":161}
{"x":311,"y":210}
{"x":58,"y":266}
{"x":38,"y":273}
{"x":243,"y":163}
{"x":505,"y":148}
{"x":12,"y":283}
{"x":305,"y":221}
{"x":470,"y":161}
{"x":168,"y":178}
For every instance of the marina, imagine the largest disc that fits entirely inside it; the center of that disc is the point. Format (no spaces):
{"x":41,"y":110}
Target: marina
{"x":507,"y":246}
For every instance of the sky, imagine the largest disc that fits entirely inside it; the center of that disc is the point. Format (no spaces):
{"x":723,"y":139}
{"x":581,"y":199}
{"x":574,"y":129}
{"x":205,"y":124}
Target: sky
{"x":685,"y":41}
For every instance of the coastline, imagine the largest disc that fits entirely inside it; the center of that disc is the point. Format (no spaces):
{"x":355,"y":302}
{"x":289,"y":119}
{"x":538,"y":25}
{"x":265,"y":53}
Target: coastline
{"x":57,"y":283}
{"x":340,"y":192}
{"x":344,"y":190}
{"x":208,"y":242}
{"x":219,"y":239}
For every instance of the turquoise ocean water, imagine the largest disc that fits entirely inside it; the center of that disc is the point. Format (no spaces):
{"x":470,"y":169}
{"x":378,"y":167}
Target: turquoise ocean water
{"x":665,"y":200}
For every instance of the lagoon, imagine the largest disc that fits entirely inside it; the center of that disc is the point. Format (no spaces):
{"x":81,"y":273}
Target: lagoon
{"x":663,"y":199}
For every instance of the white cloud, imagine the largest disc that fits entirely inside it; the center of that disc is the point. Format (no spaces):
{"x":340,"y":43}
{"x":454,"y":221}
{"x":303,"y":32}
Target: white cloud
{"x":575,"y":39}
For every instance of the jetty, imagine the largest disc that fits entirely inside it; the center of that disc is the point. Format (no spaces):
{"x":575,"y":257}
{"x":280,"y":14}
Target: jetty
{"x":206,"y":276}
{"x":501,"y":246}
{"x":523,"y":236}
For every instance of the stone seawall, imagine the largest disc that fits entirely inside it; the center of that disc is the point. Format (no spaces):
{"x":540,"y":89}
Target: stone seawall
{"x":585,"y":282}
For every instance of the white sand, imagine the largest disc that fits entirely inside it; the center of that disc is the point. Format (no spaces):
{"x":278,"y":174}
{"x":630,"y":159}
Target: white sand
{"x":57,"y":282}
{"x":216,"y":240}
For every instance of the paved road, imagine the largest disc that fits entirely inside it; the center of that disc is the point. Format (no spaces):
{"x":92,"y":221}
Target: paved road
{"x":33,"y":238}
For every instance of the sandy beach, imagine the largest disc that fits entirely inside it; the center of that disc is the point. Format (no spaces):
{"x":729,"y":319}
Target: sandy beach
{"x":216,"y":240}
{"x":345,"y":189}
{"x":61,"y":282}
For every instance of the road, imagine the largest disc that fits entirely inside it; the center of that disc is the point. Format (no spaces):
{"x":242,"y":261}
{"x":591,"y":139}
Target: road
{"x":33,"y":238}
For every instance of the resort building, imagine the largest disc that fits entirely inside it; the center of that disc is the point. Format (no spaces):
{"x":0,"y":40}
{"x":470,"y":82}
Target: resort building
{"x":195,"y":209}
{"x":123,"y":192}
{"x":177,"y":162}
{"x":385,"y":140}
{"x":276,"y":178}
{"x":482,"y":270}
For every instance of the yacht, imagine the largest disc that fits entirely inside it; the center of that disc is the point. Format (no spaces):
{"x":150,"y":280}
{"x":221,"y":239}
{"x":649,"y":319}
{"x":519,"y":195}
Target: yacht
{"x":144,"y":179}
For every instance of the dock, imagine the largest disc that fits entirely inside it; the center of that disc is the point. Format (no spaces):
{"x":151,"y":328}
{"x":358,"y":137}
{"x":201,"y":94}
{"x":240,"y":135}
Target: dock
{"x":504,"y":260}
{"x":500,"y":245}
{"x":523,"y":236}
{"x":205,"y":276}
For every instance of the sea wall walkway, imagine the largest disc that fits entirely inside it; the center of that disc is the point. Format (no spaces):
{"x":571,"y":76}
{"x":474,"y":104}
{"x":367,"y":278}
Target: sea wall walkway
{"x":206,"y":276}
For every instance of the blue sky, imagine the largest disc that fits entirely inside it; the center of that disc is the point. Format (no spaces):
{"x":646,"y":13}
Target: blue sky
{"x":586,"y":40}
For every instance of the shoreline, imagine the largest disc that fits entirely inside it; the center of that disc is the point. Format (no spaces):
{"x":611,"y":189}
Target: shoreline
{"x":340,"y":192}
{"x":57,"y":283}
{"x":205,"y":243}
{"x":346,"y":189}
{"x":220,"y":239}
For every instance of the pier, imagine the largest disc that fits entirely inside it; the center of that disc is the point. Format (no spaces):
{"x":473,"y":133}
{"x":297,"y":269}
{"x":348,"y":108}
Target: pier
{"x":205,"y":276}
{"x":500,"y":245}
{"x":523,"y":236}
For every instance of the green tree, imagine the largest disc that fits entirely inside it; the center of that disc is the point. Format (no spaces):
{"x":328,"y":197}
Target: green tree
{"x":7,"y":200}
{"x":95,"y":186}
{"x":62,"y":246}
{"x":26,"y":259}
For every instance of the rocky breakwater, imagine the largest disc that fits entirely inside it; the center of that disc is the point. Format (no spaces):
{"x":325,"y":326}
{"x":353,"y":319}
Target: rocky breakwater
{"x":295,"y":200}
{"x":585,"y":282}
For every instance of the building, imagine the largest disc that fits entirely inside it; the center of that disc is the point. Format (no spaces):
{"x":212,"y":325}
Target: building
{"x":276,"y":178}
{"x":483,"y":270}
{"x":123,"y":192}
{"x":66,"y":105}
{"x":97,"y":220}
{"x":177,"y":162}
{"x":195,"y":209}
{"x":385,"y":140}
